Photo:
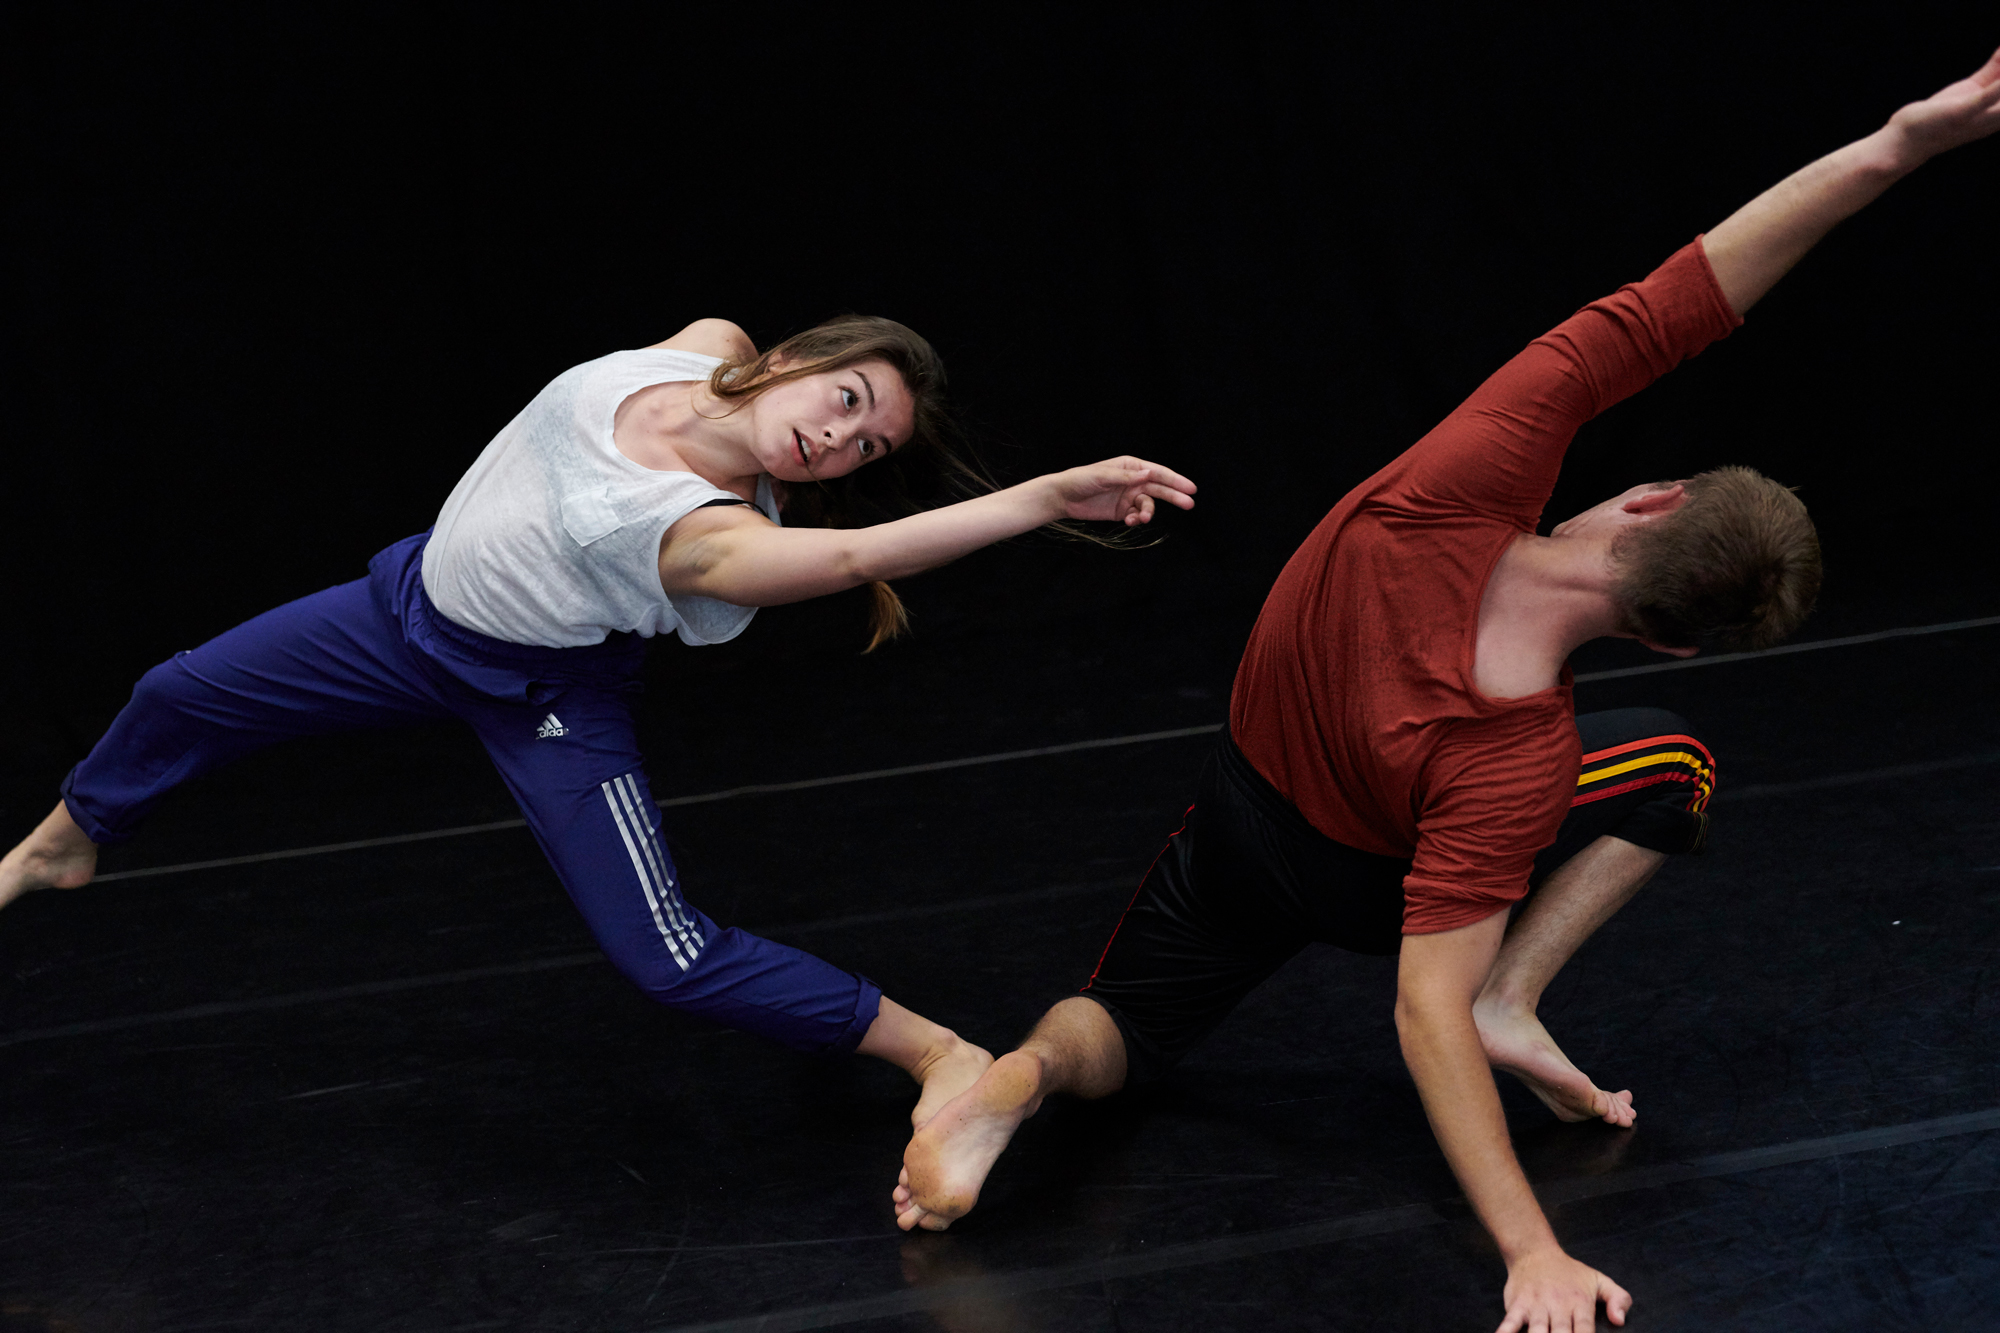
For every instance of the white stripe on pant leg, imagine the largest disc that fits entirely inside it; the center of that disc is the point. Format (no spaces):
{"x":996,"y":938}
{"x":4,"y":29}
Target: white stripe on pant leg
{"x":637,"y":809}
{"x":646,"y":812}
{"x":639,"y":867}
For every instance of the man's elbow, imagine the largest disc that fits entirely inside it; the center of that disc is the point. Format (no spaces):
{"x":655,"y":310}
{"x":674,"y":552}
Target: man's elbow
{"x":1409,"y":1018}
{"x":1424,"y":1012}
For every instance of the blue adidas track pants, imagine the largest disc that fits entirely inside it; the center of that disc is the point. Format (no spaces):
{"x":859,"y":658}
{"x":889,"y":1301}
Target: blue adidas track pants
{"x":558,"y":725}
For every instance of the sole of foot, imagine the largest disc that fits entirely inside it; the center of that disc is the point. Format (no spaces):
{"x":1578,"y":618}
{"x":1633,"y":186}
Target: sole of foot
{"x":949,"y":1157}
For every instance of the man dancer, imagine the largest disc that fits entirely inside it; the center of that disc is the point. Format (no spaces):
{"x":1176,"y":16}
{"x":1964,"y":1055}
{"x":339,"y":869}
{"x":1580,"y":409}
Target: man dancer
{"x":1403,"y":755}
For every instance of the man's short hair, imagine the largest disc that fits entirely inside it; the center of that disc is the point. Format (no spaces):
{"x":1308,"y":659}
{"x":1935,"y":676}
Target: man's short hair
{"x":1736,"y":566}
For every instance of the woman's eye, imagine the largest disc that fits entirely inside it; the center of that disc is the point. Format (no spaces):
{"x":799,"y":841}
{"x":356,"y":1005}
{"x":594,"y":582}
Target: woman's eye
{"x":848,"y":398}
{"x":867,"y":448}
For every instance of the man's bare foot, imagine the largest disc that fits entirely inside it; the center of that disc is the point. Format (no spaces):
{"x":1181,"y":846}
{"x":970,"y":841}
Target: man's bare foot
{"x":56,"y":855}
{"x":950,"y":1154}
{"x":950,"y":1069}
{"x":1516,"y":1041}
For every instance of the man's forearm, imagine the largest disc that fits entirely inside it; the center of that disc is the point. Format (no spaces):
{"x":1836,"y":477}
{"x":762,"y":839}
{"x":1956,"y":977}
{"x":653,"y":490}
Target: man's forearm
{"x":1441,"y":1047}
{"x":1758,"y":243}
{"x":1761,"y":241}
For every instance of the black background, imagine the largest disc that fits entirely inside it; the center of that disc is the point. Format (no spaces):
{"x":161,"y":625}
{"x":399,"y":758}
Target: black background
{"x":278,"y":275}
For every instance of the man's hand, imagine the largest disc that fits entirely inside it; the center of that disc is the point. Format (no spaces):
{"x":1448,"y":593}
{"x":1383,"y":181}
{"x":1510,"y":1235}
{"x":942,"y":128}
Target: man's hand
{"x":1954,"y":115}
{"x":1549,"y":1292}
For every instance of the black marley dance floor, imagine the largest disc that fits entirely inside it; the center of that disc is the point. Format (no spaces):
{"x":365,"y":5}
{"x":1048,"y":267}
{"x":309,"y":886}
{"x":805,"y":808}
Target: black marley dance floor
{"x":387,"y":1084}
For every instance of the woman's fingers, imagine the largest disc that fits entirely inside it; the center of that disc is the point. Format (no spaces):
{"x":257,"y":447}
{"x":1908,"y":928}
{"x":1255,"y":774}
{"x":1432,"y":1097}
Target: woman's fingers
{"x":1134,"y":508}
{"x":1131,"y":470}
{"x":1165,"y":476}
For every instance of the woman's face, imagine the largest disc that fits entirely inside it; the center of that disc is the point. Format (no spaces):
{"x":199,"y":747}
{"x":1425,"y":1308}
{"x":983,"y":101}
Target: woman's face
{"x":827,"y":425}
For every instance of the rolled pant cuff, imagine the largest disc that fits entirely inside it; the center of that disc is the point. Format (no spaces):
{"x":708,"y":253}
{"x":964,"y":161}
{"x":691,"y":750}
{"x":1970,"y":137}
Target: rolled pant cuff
{"x":93,"y":828}
{"x":867,"y":1005}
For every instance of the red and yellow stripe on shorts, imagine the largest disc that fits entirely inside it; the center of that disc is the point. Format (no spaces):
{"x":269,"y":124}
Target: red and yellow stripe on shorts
{"x":1646,"y":763}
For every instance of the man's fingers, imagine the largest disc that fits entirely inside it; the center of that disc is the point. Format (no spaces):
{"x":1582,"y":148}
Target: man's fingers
{"x":1617,"y":1300}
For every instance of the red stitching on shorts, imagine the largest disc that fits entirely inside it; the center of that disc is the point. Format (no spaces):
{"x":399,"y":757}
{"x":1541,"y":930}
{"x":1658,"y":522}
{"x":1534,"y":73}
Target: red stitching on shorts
{"x":1134,"y":899}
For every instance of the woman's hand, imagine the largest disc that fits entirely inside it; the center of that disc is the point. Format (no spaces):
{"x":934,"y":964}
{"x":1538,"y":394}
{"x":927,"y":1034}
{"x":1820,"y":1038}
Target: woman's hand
{"x":1119,"y":490}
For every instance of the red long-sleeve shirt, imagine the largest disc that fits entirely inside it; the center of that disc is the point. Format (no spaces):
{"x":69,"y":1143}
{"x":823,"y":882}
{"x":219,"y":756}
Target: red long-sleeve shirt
{"x":1355,"y":697}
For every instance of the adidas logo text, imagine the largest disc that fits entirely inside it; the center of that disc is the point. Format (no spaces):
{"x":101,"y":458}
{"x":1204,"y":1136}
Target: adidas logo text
{"x":551,"y":726}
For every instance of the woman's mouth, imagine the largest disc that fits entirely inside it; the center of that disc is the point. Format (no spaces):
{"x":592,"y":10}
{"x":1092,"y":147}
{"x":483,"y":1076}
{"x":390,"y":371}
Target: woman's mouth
{"x":805,"y":450}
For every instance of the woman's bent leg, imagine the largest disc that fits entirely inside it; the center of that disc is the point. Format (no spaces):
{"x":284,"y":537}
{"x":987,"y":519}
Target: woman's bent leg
{"x":572,"y":761}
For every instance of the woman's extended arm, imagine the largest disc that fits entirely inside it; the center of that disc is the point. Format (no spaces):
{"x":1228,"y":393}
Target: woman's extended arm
{"x":735,"y":555}
{"x":1759,"y":242}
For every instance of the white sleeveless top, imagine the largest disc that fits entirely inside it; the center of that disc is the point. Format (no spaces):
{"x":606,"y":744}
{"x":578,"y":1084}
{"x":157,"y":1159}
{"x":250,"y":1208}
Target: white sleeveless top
{"x":553,"y":536}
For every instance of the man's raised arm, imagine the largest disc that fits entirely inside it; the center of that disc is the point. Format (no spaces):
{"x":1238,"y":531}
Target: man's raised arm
{"x":1759,"y":242}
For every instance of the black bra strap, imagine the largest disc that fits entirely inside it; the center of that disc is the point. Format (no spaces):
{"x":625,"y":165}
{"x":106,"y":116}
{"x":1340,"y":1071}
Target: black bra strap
{"x":732,"y":500}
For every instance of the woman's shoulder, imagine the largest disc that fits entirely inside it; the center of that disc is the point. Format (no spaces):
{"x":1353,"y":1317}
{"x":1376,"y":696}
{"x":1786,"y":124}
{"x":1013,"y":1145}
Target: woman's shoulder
{"x":715,"y":338}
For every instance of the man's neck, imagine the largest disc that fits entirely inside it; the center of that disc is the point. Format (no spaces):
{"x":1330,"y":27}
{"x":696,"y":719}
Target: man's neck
{"x":1547,"y":596}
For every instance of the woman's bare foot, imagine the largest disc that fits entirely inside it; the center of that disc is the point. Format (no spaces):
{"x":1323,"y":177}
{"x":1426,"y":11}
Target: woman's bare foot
{"x":951,"y":1153}
{"x":949,"y":1069}
{"x":1516,"y":1041}
{"x":944,"y":1063}
{"x":56,"y":855}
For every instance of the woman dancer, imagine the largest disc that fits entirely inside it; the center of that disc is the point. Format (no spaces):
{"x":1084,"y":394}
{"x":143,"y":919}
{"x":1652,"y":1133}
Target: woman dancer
{"x":638,"y":494}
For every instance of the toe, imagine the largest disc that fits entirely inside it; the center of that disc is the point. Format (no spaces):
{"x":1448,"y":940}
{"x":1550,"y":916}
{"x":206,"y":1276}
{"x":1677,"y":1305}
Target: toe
{"x":932,"y":1222}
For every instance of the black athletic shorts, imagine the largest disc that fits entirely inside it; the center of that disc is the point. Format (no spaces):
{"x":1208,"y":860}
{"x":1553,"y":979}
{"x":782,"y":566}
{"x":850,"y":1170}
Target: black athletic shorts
{"x":1246,"y":882}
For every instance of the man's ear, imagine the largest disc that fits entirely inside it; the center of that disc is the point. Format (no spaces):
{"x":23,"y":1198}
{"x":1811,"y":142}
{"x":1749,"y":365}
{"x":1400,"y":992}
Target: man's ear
{"x":1657,"y":502}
